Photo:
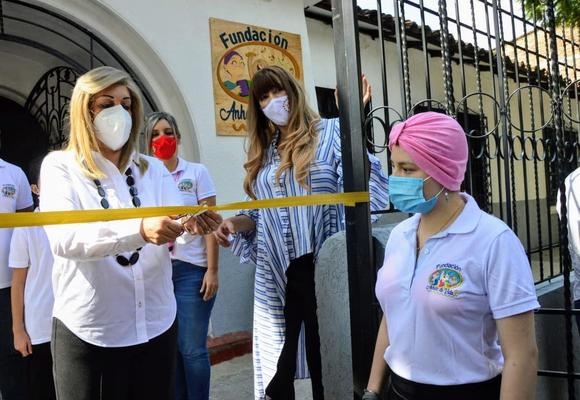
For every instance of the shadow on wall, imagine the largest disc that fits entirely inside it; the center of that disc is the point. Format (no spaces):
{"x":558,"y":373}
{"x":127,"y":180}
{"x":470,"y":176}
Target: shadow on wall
{"x":233,"y":308}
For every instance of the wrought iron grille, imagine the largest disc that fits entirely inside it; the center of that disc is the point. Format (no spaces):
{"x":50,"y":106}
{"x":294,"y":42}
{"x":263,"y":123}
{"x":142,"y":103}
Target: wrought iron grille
{"x":48,"y":103}
{"x":67,"y":40}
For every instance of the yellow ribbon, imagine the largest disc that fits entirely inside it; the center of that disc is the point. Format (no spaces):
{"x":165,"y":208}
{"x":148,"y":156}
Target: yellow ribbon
{"x":13,"y":220}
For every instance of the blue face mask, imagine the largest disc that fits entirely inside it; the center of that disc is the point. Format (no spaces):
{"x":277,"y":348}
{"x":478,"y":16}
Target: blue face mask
{"x":406,"y":194}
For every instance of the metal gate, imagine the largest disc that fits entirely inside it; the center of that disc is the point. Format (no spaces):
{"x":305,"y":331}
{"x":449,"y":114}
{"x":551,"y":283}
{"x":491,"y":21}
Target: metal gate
{"x":76,"y":46}
{"x":48,"y":103}
{"x":512,"y":82}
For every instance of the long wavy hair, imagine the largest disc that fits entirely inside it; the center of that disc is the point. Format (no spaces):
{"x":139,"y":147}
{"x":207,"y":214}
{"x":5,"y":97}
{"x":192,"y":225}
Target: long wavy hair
{"x":298,"y":147}
{"x":82,"y":136}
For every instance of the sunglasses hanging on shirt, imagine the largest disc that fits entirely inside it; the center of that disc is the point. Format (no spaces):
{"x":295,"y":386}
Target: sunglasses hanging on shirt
{"x":121,"y":259}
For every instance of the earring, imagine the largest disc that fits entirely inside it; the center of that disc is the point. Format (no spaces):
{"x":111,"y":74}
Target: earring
{"x":446,"y":196}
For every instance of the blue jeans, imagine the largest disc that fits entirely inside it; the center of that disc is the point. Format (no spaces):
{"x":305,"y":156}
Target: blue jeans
{"x":12,"y":366}
{"x":193,"y":366}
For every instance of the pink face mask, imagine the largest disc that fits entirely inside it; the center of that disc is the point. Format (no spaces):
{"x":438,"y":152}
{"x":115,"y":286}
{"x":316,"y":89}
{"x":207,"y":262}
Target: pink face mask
{"x":164,"y":146}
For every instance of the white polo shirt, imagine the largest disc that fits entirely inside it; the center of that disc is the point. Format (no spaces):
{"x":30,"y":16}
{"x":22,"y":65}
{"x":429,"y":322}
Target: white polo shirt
{"x":441,"y":307}
{"x":30,"y":249}
{"x":572,"y":183}
{"x":194,"y":183}
{"x":14,"y":195}
{"x":100,"y":301}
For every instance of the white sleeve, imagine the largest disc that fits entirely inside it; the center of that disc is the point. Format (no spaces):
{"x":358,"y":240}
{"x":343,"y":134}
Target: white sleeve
{"x":573,"y":206}
{"x":19,"y":252}
{"x":205,"y":186}
{"x":508,"y":277}
{"x":82,"y":241}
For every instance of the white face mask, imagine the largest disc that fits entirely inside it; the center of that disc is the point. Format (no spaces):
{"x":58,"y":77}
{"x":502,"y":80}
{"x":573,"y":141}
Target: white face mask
{"x":113,"y":127}
{"x":278,"y":110}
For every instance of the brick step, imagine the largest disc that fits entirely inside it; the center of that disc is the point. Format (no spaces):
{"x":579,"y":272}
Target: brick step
{"x":228,"y":346}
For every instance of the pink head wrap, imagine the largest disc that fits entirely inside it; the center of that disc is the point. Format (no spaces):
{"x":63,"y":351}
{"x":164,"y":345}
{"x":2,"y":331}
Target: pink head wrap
{"x":436,"y":143}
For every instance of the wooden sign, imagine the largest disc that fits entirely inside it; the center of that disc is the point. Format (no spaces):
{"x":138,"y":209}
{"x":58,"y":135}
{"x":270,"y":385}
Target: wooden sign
{"x":237,"y":52}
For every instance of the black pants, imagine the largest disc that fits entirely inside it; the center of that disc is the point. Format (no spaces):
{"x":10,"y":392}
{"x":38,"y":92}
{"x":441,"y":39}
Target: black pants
{"x":40,"y":384}
{"x":403,"y":389}
{"x":83,"y":371}
{"x":300,"y":307}
{"x":12,"y":366}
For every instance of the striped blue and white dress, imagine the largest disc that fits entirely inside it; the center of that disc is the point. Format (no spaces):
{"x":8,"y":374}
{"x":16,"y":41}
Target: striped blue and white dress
{"x":286,"y":233}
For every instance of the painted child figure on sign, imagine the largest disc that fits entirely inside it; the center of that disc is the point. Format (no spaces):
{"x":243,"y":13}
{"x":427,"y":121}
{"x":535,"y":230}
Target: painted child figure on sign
{"x":235,"y":70}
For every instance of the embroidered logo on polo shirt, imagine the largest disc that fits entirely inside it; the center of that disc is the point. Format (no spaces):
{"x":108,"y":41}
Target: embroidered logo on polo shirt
{"x":445,"y":280}
{"x":185,"y":185}
{"x":8,"y":190}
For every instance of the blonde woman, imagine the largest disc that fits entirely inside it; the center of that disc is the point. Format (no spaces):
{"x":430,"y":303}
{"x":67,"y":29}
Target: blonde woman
{"x":114,"y":331}
{"x":291,"y":152}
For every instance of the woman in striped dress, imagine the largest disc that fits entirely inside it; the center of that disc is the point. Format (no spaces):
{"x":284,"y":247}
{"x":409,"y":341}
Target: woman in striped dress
{"x":292,"y":152}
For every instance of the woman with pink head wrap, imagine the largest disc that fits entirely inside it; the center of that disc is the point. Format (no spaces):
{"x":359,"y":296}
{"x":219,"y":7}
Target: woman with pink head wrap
{"x":455,"y":281}
{"x":437,"y":144}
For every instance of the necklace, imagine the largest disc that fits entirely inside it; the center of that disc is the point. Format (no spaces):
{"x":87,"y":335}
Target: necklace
{"x":443,"y":226}
{"x":130,"y":181}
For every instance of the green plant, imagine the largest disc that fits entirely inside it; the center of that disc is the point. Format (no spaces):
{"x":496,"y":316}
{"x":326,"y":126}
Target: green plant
{"x":567,"y":12}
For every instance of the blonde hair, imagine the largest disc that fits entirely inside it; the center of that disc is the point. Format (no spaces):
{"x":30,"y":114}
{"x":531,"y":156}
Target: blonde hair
{"x":298,"y":148}
{"x":82,"y":136}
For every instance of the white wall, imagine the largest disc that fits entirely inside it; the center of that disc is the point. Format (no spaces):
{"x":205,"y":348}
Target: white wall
{"x":170,"y":48}
{"x":168,"y":43}
{"x":324,"y":68}
{"x":20,"y":69}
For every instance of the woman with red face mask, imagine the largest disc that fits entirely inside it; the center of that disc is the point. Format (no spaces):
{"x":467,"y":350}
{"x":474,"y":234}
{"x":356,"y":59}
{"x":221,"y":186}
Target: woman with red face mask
{"x":194,"y":260}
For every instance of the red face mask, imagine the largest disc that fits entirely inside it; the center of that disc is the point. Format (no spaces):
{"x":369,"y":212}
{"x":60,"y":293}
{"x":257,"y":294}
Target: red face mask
{"x":164,"y":147}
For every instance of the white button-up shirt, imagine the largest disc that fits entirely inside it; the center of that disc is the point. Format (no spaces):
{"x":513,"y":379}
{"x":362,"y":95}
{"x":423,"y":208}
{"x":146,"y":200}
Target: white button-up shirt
{"x":100,"y":301}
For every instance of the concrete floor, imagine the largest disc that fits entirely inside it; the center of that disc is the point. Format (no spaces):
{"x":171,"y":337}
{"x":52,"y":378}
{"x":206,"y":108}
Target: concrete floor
{"x":233,"y":380}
